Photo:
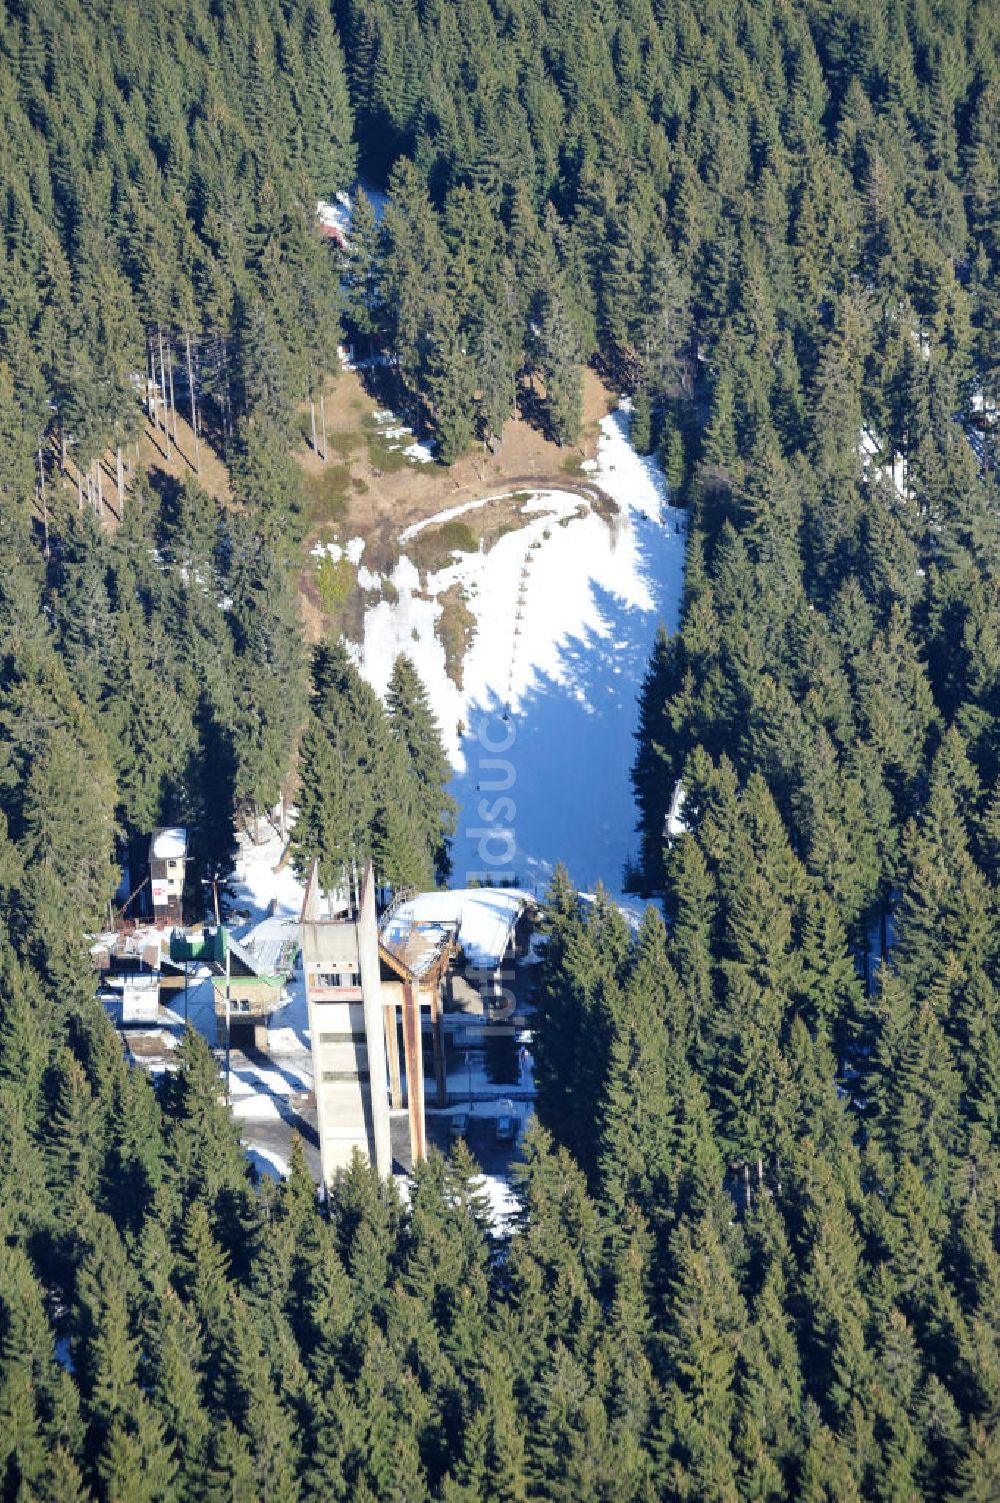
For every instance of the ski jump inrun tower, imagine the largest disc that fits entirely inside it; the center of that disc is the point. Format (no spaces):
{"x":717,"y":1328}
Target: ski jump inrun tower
{"x":357,"y":993}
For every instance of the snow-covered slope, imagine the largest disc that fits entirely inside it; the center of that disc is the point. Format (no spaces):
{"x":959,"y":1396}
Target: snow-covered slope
{"x":566,"y":609}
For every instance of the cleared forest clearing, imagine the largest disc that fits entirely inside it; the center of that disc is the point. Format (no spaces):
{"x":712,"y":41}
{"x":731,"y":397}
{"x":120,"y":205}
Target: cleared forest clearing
{"x":368,"y":490}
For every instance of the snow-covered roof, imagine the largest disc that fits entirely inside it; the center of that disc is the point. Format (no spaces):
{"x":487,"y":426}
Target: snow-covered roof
{"x":481,"y":918}
{"x":270,"y":946}
{"x":168,"y":845}
{"x":336,"y":216}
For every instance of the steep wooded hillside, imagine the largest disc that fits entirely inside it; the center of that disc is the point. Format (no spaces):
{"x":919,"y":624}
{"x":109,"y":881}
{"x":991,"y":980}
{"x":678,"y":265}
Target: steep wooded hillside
{"x":756,"y":1255}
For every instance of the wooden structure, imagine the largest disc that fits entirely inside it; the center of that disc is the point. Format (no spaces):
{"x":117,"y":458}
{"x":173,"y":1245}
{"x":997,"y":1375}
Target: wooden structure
{"x":408,"y":989}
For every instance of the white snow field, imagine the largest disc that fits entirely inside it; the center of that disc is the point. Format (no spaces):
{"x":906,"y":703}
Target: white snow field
{"x":566,"y":610}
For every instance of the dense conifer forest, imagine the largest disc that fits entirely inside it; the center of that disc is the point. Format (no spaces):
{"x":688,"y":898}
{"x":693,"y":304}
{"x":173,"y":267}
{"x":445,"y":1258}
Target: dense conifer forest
{"x":757,"y":1255}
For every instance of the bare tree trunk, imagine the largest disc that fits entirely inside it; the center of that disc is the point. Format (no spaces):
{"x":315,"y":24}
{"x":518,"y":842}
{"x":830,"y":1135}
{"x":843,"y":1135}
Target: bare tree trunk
{"x":227,"y":405}
{"x":120,"y":474}
{"x":100,"y":487}
{"x":79,"y":488}
{"x":151,"y":401}
{"x":229,"y":388}
{"x":322,"y":421}
{"x":62,"y":445}
{"x":170,"y":379}
{"x":163,"y":387}
{"x":194,"y":410}
{"x":312,"y":424}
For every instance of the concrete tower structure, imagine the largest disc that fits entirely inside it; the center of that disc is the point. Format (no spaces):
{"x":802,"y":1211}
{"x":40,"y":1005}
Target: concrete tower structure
{"x":340,"y":960}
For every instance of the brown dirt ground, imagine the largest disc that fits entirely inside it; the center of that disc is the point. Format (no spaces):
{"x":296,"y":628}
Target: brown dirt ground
{"x":394,"y":500}
{"x":378,"y":504}
{"x":155,"y":454}
{"x":351,"y":496}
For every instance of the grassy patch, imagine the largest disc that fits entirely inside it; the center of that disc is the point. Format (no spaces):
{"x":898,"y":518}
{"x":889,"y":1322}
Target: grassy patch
{"x":433,"y":548}
{"x":381,"y":551}
{"x":345,"y":442}
{"x":360,"y":486}
{"x":501,"y":532}
{"x":384,"y":458}
{"x":334,"y":582}
{"x":326,"y":492}
{"x":572,"y":464}
{"x":603,"y":505}
{"x":455,"y":628}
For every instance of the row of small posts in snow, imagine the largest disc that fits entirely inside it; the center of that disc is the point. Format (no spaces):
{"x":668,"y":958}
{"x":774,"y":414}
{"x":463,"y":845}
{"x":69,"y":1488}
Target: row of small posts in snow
{"x":522,"y":594}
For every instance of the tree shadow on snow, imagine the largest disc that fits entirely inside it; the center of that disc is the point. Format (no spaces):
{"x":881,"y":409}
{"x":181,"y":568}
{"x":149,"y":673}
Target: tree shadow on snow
{"x":573,"y":745}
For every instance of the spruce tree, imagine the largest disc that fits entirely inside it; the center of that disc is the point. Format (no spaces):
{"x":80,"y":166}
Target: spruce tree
{"x":414,"y":727}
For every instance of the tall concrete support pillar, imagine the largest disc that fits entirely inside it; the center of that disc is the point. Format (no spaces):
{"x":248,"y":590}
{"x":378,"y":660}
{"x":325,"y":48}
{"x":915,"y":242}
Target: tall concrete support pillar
{"x":371,"y":992}
{"x":341,"y":971}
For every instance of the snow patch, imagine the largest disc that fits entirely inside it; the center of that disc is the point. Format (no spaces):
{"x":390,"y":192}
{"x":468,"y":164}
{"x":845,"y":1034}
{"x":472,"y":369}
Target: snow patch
{"x":632,"y":480}
{"x":352,"y":551}
{"x":504,"y":1204}
{"x":263,"y":881}
{"x":565,"y":610}
{"x":873,"y":466}
{"x":267,"y":1162}
{"x":419,"y":453}
{"x":255,"y":1108}
{"x":400,"y":436}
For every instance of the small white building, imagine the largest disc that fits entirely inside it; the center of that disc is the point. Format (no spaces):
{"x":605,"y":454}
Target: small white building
{"x":140,"y":997}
